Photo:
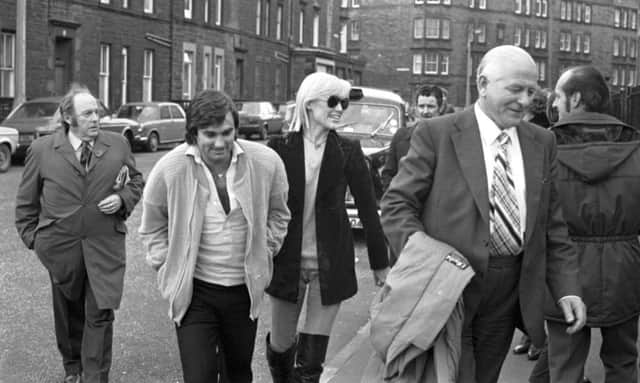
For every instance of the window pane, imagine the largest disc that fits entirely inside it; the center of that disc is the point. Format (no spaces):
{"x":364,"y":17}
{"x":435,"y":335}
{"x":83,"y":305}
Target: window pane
{"x":418,"y":28}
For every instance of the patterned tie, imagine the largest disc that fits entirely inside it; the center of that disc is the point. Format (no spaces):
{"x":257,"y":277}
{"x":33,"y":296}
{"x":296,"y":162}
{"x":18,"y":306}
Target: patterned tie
{"x":85,"y":155}
{"x":505,"y":239}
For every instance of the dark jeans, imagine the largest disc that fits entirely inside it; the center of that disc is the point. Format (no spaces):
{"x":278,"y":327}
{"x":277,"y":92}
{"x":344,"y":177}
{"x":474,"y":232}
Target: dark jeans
{"x":567,"y":354}
{"x":488,"y":330}
{"x":84,"y":334}
{"x":216,"y":337}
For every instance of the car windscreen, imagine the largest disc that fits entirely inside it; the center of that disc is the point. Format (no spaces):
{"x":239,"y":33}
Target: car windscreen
{"x":249,"y":107}
{"x":141,"y":113}
{"x":371,"y":119}
{"x":34,"y":110}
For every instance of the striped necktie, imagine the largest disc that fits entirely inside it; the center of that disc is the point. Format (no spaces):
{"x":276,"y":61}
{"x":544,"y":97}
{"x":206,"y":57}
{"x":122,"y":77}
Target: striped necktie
{"x":505,"y":238}
{"x":85,"y":155}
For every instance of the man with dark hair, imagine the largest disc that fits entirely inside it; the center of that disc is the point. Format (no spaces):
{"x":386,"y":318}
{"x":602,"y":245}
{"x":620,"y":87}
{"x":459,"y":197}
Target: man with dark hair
{"x":214,"y":215}
{"x":428,"y":104}
{"x":78,"y":187}
{"x":598,"y":186}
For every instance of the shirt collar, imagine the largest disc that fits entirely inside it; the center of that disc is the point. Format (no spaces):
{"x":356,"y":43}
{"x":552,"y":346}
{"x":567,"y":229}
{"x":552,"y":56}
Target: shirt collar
{"x":75,"y":140}
{"x":489,"y":131}
{"x":194,"y":151}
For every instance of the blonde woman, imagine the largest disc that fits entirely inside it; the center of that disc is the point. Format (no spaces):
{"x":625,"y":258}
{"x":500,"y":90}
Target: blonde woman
{"x":317,"y":258}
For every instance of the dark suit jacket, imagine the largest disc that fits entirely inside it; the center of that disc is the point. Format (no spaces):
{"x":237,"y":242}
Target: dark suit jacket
{"x":343,"y":164}
{"x":57,"y":213}
{"x":441,"y":189}
{"x":397,"y":149}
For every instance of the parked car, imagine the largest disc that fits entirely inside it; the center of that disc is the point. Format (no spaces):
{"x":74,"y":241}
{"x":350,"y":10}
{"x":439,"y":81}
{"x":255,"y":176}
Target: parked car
{"x":259,"y":117}
{"x":154,"y":123}
{"x":41,"y":116}
{"x":373,"y":117}
{"x":286,"y":111}
{"x":8,"y":146}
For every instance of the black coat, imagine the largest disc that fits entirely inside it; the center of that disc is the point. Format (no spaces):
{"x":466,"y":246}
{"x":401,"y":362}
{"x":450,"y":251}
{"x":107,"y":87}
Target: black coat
{"x":598,"y":185}
{"x":343,"y":164}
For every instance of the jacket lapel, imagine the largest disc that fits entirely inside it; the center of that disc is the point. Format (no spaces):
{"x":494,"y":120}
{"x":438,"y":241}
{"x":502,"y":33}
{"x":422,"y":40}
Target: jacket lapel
{"x":62,"y":145}
{"x":332,"y":165}
{"x":295,"y":166}
{"x":532,"y":156}
{"x":468,"y":148}
{"x":100,"y":147}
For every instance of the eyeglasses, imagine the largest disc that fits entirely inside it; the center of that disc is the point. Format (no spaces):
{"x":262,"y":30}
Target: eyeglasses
{"x":332,"y":101}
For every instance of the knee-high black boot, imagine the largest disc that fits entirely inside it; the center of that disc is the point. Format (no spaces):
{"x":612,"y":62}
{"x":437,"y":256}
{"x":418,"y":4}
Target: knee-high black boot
{"x":280,"y":363}
{"x":311,"y":351}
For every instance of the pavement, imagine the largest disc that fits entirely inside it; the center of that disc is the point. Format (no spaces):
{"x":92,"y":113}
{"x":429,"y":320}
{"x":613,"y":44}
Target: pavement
{"x":349,"y":363}
{"x":145,"y":348}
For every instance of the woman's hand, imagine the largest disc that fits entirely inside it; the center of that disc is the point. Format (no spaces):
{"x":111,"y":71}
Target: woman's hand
{"x":380,"y":276}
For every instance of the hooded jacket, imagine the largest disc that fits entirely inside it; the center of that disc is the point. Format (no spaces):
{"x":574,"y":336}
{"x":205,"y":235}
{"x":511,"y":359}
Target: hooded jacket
{"x":417,"y":318}
{"x":599,"y":185}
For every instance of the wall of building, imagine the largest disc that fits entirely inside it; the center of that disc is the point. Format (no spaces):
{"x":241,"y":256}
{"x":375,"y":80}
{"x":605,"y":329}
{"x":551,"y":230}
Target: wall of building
{"x":387,"y":42}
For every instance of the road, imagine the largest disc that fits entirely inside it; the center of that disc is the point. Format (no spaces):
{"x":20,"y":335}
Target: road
{"x":144,"y":345}
{"x":145,"y":348}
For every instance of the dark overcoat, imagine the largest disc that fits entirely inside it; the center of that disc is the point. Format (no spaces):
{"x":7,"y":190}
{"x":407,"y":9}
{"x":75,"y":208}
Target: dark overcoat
{"x":57,"y":213}
{"x":599,"y":184}
{"x":343,"y":164}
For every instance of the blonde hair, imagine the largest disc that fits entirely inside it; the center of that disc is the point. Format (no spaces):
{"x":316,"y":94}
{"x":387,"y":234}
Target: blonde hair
{"x":315,"y":86}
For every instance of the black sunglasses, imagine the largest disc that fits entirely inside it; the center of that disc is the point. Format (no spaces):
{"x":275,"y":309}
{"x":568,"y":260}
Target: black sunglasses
{"x":332,"y":101}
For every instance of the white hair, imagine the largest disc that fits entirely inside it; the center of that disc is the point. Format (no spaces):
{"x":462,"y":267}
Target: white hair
{"x":315,"y":86}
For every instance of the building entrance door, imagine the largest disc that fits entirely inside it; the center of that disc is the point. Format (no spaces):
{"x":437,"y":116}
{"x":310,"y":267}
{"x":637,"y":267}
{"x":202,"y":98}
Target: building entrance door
{"x":63,"y":65}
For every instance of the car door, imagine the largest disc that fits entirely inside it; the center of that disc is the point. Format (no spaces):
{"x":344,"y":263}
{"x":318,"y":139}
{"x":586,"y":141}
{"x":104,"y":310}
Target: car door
{"x":275,"y":120}
{"x":178,"y":123}
{"x":164,"y":125}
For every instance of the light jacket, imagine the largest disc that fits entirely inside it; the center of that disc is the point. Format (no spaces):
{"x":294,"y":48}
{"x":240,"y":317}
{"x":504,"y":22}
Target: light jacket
{"x":417,"y":318}
{"x":599,"y":185}
{"x":174,"y":203}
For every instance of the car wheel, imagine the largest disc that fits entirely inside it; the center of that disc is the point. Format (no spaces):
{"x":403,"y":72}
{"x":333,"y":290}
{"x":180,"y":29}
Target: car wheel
{"x":264,"y":132}
{"x":5,"y":158}
{"x":153,"y":142}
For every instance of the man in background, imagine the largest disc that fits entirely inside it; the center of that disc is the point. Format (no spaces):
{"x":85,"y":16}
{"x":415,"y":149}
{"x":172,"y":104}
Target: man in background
{"x":428,"y":105}
{"x":78,"y":187}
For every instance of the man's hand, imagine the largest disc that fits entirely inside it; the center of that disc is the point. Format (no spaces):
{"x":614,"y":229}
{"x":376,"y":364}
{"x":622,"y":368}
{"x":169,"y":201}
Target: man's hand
{"x":575,"y":312}
{"x":380,"y":276}
{"x":111,"y":204}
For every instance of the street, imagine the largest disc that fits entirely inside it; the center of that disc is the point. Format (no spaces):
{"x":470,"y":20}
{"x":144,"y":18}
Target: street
{"x":144,"y":347}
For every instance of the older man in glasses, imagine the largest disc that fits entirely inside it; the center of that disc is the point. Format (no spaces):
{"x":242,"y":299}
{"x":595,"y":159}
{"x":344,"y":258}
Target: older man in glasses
{"x":214,"y":215}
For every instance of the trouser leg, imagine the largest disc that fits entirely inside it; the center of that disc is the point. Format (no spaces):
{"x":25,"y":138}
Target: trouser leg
{"x":68,"y":316}
{"x":619,"y":352}
{"x":540,"y":372}
{"x":97,"y":340}
{"x":239,"y":334}
{"x":488,"y":331}
{"x":198,"y":339}
{"x":216,"y":337}
{"x":567,"y":353}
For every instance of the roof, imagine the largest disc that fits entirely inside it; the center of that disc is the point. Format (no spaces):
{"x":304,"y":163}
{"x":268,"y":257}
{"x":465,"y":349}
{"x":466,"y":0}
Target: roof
{"x":380,"y":93}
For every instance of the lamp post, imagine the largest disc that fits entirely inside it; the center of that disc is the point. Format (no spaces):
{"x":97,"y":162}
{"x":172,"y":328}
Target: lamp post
{"x":470,"y":36}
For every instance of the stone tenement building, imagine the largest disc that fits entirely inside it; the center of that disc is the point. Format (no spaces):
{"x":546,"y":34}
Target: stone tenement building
{"x":132,"y":50}
{"x":407,"y":43}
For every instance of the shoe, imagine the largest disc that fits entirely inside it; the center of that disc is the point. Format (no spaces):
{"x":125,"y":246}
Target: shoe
{"x":586,"y":380}
{"x":72,"y":378}
{"x":523,"y":346}
{"x":533,"y":353}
